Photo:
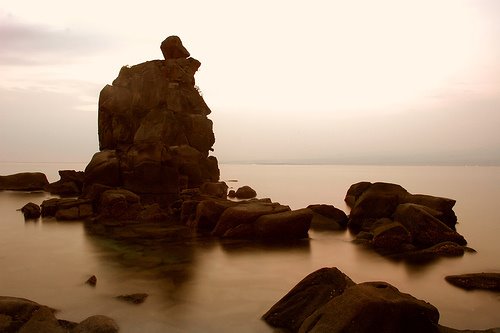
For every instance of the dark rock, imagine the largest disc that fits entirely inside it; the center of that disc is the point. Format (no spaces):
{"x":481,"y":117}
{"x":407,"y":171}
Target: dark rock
{"x":31,"y":211}
{"x":373,"y":307}
{"x":390,"y":235}
{"x":19,"y":315}
{"x":485,"y":281}
{"x":154,"y":134}
{"x":70,"y":184}
{"x":231,"y":194}
{"x":425,"y":229}
{"x":327,"y":217}
{"x":188,"y":211}
{"x":172,"y":48}
{"x":67,"y":208}
{"x":119,"y":204}
{"x":217,"y":190}
{"x":245,"y":213}
{"x":310,"y":294}
{"x":245,"y":192}
{"x":284,"y":226}
{"x":92,"y":281}
{"x":354,"y":192}
{"x":96,"y":324}
{"x":208,"y":213}
{"x":133,"y":298}
{"x":445,"y":249}
{"x":24,"y":181}
{"x":152,"y":213}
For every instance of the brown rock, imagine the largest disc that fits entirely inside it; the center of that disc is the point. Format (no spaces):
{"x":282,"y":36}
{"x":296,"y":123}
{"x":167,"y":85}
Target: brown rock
{"x":245,"y":213}
{"x":310,"y":294}
{"x":327,"y":217}
{"x":92,"y":281}
{"x":133,"y":298}
{"x":172,"y":48}
{"x":284,"y":226}
{"x":245,"y":192}
{"x":31,"y":211}
{"x":96,"y":324}
{"x":24,"y":181}
{"x":485,"y":281}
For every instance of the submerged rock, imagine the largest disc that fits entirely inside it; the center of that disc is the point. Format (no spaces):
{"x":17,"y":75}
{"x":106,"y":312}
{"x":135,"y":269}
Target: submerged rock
{"x":401,"y":224}
{"x":24,"y":181}
{"x":485,"y":281}
{"x":31,"y":211}
{"x":25,"y":316}
{"x":328,"y":217}
{"x":133,"y":298}
{"x":329,"y":301}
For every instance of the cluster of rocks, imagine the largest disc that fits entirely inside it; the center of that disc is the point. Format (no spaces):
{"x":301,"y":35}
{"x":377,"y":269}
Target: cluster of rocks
{"x":396,"y":222}
{"x":25,"y":316}
{"x":327,"y":300}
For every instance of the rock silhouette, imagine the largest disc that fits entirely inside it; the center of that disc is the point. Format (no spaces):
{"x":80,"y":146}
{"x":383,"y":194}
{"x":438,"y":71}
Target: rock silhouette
{"x":154,"y":133}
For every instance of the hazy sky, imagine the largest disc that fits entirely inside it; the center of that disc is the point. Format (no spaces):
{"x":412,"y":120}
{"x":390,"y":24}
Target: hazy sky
{"x":386,"y":81}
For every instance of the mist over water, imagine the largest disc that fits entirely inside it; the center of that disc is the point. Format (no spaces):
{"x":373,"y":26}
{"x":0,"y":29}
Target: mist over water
{"x":200,"y":284}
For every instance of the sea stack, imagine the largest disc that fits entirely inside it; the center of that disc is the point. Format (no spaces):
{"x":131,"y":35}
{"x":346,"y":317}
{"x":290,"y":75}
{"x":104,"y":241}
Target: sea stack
{"x":154,"y":133}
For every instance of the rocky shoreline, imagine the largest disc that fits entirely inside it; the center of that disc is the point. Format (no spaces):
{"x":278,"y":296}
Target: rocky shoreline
{"x":154,"y":178}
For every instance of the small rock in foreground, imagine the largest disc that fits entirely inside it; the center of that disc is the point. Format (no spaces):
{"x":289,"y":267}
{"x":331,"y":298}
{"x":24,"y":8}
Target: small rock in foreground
{"x":485,"y":281}
{"x":133,"y":298}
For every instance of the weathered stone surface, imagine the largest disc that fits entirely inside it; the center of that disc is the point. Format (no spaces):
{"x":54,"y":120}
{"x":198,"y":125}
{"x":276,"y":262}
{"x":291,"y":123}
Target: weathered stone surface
{"x":92,"y":281}
{"x":485,"y":281}
{"x":154,"y":134}
{"x":172,"y":48}
{"x":67,"y":208}
{"x":217,"y":190}
{"x":401,"y":224}
{"x":31,"y":211}
{"x":310,"y":294}
{"x":245,"y":192}
{"x":425,"y":229}
{"x":96,"y":324}
{"x":284,"y":226}
{"x":24,"y":181}
{"x":208,"y":213}
{"x":328,"y":217}
{"x":390,"y":235}
{"x":119,"y":204}
{"x":373,"y":307}
{"x":70,"y":183}
{"x":245,"y":213}
{"x":42,"y":320}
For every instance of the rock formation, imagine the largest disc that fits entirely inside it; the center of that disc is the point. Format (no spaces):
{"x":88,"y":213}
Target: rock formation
{"x":327,"y":300}
{"x":24,"y":181}
{"x":154,"y":133}
{"x":22,"y":315}
{"x":394,"y":221}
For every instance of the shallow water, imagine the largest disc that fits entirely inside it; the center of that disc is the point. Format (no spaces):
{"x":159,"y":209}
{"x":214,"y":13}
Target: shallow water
{"x":204,"y":285}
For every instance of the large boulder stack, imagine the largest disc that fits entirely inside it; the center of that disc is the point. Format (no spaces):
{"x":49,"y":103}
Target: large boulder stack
{"x":394,"y":221}
{"x":154,"y":133}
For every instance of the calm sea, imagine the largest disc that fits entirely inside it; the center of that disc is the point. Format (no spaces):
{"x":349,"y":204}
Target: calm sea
{"x":205,"y":285}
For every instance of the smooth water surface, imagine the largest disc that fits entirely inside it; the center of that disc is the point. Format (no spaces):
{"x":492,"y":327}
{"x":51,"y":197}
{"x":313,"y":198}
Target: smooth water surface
{"x":205,"y":285}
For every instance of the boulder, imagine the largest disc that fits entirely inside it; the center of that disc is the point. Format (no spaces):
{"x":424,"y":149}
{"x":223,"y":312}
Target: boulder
{"x":69,"y":185}
{"x":172,"y":48}
{"x":217,"y":190}
{"x":67,"y":208}
{"x":390,"y":235}
{"x":31,"y":211}
{"x":208,"y":213}
{"x":327,"y":217}
{"x":287,"y":225}
{"x":25,"y":316}
{"x":119,"y":204}
{"x":310,"y":294}
{"x":245,"y":192}
{"x":485,"y":281}
{"x":245,"y":213}
{"x":445,"y":249}
{"x":24,"y":181}
{"x":425,"y":229}
{"x":373,"y":307}
{"x":96,"y":324}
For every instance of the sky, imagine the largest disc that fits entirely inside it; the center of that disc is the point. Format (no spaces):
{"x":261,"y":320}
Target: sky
{"x":382,"y":82}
